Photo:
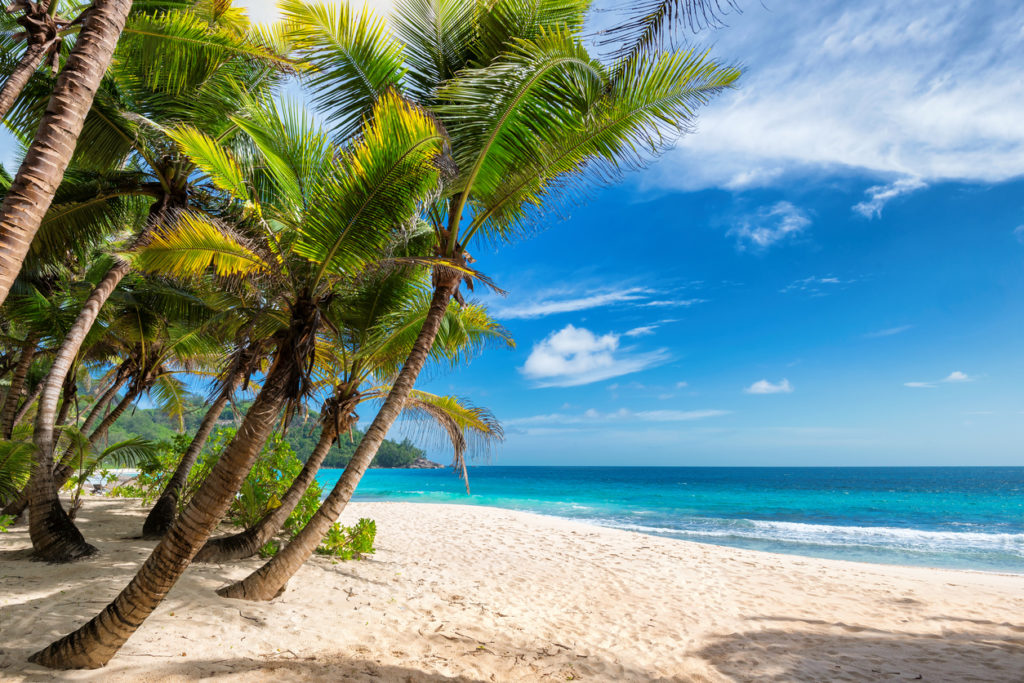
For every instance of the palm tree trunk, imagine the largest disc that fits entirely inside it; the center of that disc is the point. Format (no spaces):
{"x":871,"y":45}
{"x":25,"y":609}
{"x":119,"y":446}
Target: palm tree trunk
{"x":16,"y":507}
{"x":92,"y":645}
{"x":55,"y":537}
{"x":248,"y":542}
{"x":10,"y":409}
{"x":269,"y":581}
{"x":15,"y":83}
{"x":160,"y":518}
{"x":31,"y":193}
{"x":64,"y":469}
{"x":69,"y":394}
{"x":29,"y":400}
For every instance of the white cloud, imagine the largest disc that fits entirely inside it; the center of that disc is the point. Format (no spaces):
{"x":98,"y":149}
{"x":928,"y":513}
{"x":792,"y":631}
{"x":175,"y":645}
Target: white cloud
{"x":547,"y":307}
{"x":915,"y":89}
{"x":813,"y":285}
{"x":622,"y":414}
{"x":880,"y":195}
{"x":765,"y":387}
{"x":888,"y":332}
{"x":1018,"y":232}
{"x":684,"y":303}
{"x":770,"y":225}
{"x":682,"y":385}
{"x":575,"y":355}
{"x":957,"y":376}
{"x":641,"y":331}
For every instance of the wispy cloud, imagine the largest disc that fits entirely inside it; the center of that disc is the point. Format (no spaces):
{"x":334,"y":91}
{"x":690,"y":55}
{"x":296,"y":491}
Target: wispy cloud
{"x":545,"y":307}
{"x":955,"y":377}
{"x":1018,"y":233}
{"x":682,"y":303}
{"x":623,"y":415}
{"x":574,"y":356}
{"x":765,"y":387}
{"x":916,"y":89}
{"x":888,"y":332}
{"x":813,"y":285}
{"x":571,"y":300}
{"x":770,"y":225}
{"x":643,"y":331}
{"x":880,"y":195}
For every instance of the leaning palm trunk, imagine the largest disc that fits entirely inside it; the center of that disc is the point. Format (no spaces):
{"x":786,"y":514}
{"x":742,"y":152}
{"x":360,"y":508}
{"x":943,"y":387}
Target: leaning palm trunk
{"x":16,"y":507}
{"x":160,"y":518}
{"x":55,"y":537}
{"x":30,"y":60}
{"x":248,"y":542}
{"x":29,"y":400}
{"x":10,"y":409}
{"x":62,"y":472}
{"x":92,"y":645}
{"x":269,"y":581}
{"x":31,"y":193}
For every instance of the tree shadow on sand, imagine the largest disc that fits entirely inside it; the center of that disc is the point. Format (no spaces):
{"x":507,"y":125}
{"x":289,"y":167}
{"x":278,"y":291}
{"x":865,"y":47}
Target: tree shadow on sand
{"x":815,"y":650}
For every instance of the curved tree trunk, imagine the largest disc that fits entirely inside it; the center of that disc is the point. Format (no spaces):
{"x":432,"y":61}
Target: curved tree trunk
{"x":249,"y":542}
{"x":55,"y":537}
{"x":29,"y":400}
{"x":160,"y":518}
{"x":69,"y":393}
{"x":30,"y":60}
{"x":31,"y":193}
{"x":269,"y":581}
{"x":10,"y":409}
{"x":18,"y":505}
{"x":66,"y":467}
{"x":92,"y":645}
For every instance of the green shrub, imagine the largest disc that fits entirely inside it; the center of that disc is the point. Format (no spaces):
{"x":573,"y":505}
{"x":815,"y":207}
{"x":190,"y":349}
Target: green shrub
{"x":5,"y":522}
{"x":349,"y":543}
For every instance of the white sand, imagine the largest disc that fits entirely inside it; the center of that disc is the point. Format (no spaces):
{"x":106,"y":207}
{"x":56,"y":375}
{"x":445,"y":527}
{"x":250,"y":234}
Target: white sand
{"x":468,"y":593}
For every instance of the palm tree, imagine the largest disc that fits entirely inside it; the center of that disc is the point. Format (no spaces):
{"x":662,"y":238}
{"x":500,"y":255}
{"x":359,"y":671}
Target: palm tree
{"x":351,"y":206}
{"x":162,"y":92}
{"x":367,"y":339}
{"x":528,"y":112}
{"x":41,"y":171}
{"x":40,"y":30}
{"x":170,"y":55}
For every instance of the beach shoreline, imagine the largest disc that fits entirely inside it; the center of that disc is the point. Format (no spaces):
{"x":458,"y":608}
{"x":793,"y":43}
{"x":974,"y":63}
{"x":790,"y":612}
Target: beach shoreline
{"x":461,"y":592}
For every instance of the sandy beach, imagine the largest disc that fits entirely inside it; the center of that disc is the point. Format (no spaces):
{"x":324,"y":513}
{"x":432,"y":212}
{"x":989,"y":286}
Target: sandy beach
{"x":471,"y":593}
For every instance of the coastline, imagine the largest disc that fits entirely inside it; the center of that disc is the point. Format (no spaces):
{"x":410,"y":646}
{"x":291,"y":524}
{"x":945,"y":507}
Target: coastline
{"x":470,"y":591}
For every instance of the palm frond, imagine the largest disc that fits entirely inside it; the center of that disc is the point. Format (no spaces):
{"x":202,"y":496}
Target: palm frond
{"x":193,"y":245}
{"x":354,"y":59}
{"x":356,"y":210}
{"x":470,"y":430}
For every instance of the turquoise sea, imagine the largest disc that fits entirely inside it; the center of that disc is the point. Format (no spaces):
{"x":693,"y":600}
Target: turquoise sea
{"x":962,"y":517}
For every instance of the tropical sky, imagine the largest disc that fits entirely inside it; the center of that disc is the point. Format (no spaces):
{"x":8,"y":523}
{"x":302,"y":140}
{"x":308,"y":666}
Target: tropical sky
{"x":826,"y":272}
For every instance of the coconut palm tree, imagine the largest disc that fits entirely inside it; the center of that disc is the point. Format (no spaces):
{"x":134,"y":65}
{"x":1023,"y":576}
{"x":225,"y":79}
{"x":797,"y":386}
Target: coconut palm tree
{"x":41,"y":171}
{"x":114,"y":139}
{"x":528,"y":113}
{"x":354,"y":207}
{"x":367,"y":338}
{"x":171,"y":52}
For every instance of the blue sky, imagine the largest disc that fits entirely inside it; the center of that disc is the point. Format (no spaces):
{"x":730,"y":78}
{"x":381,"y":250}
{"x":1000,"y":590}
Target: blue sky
{"x":827,"y":273}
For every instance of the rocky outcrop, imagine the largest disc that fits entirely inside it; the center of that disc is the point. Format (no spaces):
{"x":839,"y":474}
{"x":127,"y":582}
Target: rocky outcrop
{"x":424,"y":464}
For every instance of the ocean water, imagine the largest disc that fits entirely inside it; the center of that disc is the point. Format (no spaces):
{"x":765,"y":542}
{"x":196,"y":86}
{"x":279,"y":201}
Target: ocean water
{"x":958,"y":517}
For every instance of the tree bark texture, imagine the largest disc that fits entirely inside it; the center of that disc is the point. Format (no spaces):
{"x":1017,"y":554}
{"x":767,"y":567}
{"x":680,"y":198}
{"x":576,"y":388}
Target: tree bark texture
{"x":48,"y":157}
